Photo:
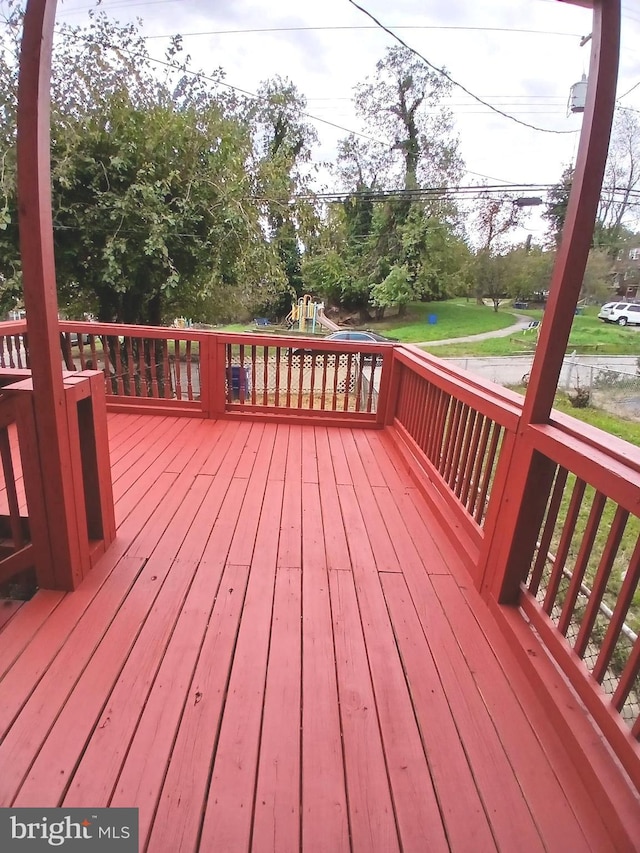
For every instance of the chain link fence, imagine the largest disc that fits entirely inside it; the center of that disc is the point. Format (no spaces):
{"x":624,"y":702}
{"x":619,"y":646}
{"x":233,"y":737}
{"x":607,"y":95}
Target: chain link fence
{"x":615,"y":390}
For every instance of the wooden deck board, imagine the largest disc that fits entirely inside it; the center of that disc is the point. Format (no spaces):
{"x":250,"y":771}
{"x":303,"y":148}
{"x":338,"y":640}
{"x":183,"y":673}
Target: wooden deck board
{"x":281,"y":651}
{"x":324,"y":804}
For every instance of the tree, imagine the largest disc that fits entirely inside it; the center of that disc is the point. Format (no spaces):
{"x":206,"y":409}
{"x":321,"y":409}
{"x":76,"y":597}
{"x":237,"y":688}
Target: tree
{"x":282,"y":144}
{"x":394,"y":291}
{"x":494,"y":219}
{"x":156,"y":209}
{"x":557,"y":202}
{"x":384,"y":233}
{"x":621,"y":178}
{"x":399,"y":103}
{"x":596,"y":284}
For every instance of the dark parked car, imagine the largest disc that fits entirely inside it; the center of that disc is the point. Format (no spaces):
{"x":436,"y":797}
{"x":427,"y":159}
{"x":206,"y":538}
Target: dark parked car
{"x":352,"y":337}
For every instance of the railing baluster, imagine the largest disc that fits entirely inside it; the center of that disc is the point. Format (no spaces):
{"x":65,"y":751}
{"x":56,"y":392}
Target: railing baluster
{"x":106,"y":366}
{"x":83,"y":361}
{"x":254,"y":378}
{"x":625,"y":685}
{"x":166,"y":379}
{"x":229,"y":366}
{"x":10,"y":485}
{"x":265,"y":374}
{"x":624,"y":599}
{"x":177,"y":367}
{"x":563,"y":548}
{"x":548,"y":530}
{"x":488,"y":472}
{"x":65,"y":343}
{"x":94,"y":353}
{"x":118,"y":365}
{"x":582,"y":561}
{"x":422,"y":424}
{"x":131,"y":368}
{"x":347,"y":384}
{"x":18,"y":345}
{"x":463,"y":460}
{"x":143,"y":371}
{"x":242,"y":378}
{"x":446,"y":444}
{"x":472,"y":457}
{"x":360,"y":368}
{"x":455,"y":442}
{"x":277,"y":376}
{"x":303,"y":358}
{"x":289,"y":371}
{"x":312,"y":384}
{"x":599,"y":585}
{"x":9,"y":344}
{"x":323,"y":394}
{"x":476,"y":475}
{"x":188,"y":357}
{"x":153,"y":364}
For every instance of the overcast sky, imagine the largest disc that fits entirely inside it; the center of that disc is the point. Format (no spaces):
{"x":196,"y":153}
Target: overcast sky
{"x":326,"y":47}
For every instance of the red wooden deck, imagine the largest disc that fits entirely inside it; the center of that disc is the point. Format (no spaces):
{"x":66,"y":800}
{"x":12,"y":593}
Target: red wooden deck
{"x":281,"y":652}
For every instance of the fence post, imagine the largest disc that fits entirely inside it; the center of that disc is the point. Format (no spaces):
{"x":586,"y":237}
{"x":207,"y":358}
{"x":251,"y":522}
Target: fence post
{"x":389,"y":388}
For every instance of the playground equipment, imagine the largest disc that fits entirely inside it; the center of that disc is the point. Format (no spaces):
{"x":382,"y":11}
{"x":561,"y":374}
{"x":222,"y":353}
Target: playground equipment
{"x":306,"y":314}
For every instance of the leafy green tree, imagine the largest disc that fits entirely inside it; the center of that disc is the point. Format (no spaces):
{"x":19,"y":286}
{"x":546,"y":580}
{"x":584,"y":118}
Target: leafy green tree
{"x":156,"y":189}
{"x":598,"y":277}
{"x":282,"y":143}
{"x":417,"y":147}
{"x":556,"y":208}
{"x":401,"y":103}
{"x":395,"y":291}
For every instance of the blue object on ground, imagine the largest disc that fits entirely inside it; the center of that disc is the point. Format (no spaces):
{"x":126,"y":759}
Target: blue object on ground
{"x":239,"y":381}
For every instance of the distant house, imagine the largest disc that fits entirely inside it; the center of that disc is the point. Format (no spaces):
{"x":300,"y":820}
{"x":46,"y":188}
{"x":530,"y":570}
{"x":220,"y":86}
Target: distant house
{"x":626,"y":273}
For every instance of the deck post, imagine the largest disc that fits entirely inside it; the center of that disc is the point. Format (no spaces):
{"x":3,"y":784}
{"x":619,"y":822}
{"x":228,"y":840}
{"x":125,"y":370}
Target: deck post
{"x":506,"y":557}
{"x":67,"y":555}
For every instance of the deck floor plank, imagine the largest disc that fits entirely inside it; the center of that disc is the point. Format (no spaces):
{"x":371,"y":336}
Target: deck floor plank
{"x":276,"y":824}
{"x":324,"y":804}
{"x":511,"y":700}
{"x":281,"y":651}
{"x":371,"y":815}
{"x":464,"y":817}
{"x":335,"y":540}
{"x":512,"y":823}
{"x":230,"y":798}
{"x":121,"y":737}
{"x":128,"y":655}
{"x":416,"y":806}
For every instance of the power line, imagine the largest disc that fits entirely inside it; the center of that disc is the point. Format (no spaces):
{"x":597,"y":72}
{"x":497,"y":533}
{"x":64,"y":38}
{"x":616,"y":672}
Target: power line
{"x":629,"y":91}
{"x":451,"y":80}
{"x":363,"y":27}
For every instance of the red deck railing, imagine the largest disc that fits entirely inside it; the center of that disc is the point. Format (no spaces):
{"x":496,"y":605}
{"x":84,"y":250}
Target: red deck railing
{"x":462,"y":438}
{"x":212,"y":373}
{"x":16,"y":549}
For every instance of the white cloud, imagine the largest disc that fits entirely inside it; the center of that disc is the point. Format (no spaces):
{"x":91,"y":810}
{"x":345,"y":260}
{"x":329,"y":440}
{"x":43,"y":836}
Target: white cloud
{"x":525,"y":74}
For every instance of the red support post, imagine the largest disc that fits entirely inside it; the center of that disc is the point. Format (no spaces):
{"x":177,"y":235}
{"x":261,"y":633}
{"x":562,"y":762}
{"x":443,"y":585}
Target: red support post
{"x":507,"y":553}
{"x":63,"y":503}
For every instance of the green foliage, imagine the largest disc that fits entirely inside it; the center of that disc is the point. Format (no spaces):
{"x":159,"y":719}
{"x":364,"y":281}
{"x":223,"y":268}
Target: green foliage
{"x":394,"y":291}
{"x":558,"y":200}
{"x":161,"y":187}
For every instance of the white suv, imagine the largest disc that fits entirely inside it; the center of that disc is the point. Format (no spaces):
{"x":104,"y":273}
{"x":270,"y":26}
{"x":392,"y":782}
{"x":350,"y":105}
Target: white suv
{"x":622,"y":313}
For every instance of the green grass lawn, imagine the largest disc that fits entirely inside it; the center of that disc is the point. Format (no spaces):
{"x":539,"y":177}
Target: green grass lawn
{"x":589,"y":336}
{"x":455,"y":318}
